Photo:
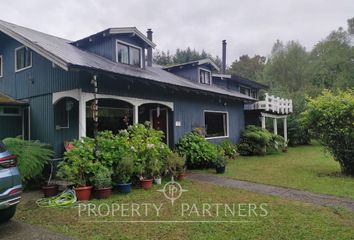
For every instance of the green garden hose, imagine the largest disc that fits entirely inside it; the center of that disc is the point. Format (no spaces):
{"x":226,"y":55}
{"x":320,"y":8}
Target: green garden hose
{"x":66,"y":198}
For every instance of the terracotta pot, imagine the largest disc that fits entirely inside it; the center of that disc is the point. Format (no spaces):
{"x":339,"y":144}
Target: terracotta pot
{"x":102,"y":193}
{"x":181,"y":176}
{"x":220,"y":170}
{"x":50,"y":190}
{"x":83,"y":193}
{"x":146,"y":183}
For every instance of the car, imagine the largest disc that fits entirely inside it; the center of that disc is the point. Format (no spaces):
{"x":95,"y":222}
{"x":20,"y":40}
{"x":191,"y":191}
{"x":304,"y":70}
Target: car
{"x":10,"y":184}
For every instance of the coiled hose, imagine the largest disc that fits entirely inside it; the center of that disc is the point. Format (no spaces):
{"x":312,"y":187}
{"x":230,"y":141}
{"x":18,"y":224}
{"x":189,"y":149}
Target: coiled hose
{"x":65,"y":198}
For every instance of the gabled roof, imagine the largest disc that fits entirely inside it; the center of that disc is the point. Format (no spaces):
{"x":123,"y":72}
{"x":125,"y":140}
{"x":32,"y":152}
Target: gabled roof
{"x":64,"y":54}
{"x":112,"y":31}
{"x":194,"y":63}
{"x":245,"y":81}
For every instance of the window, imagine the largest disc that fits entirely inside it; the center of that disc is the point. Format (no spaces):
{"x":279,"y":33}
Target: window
{"x":10,"y":111}
{"x":216,"y":124}
{"x":128,"y":54}
{"x":245,"y":90}
{"x":23,"y":58}
{"x":204,"y":76}
{"x":1,"y":66}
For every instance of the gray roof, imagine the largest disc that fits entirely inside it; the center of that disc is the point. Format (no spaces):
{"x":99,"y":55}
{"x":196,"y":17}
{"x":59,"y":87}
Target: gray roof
{"x":61,"y":52}
{"x":196,"y":62}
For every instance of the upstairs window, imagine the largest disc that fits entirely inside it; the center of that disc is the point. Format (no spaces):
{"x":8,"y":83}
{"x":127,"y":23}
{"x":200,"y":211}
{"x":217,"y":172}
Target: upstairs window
{"x":245,"y":90}
{"x":1,"y":66}
{"x":23,"y":58}
{"x":216,"y":124}
{"x":128,"y":54}
{"x":204,"y":76}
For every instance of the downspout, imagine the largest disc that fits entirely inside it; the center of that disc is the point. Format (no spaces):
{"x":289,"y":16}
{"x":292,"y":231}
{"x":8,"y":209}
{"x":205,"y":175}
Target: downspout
{"x":29,"y":122}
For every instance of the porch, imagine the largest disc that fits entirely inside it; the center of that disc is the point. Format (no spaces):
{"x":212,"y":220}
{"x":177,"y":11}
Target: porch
{"x":114,"y":113}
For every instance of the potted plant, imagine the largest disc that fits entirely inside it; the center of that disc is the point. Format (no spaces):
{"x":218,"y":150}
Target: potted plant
{"x":78,"y":167}
{"x":122,"y":174}
{"x":156,"y":167}
{"x":220,"y":164}
{"x":102,"y":181}
{"x":176,"y":166}
{"x":50,"y":189}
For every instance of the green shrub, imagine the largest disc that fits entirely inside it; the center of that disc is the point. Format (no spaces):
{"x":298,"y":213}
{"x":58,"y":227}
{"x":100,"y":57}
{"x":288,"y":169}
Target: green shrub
{"x":229,"y":148}
{"x":175,"y":164}
{"x":79,"y":164}
{"x":198,"y":151}
{"x":331,"y":119}
{"x":31,"y":156}
{"x":298,"y":134}
{"x":102,"y":178}
{"x":123,"y":170}
{"x":257,"y":141}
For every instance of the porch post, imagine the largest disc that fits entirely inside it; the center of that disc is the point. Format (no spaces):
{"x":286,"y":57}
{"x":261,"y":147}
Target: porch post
{"x":275,"y":126}
{"x":285,"y":130}
{"x":263,"y":122}
{"x":136,"y":114}
{"x":82,"y":115}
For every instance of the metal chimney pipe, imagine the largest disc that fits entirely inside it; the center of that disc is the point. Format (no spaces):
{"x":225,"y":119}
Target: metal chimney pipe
{"x":149,"y":49}
{"x":223,"y":63}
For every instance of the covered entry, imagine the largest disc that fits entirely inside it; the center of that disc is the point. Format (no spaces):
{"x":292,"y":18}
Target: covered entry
{"x":14,"y":118}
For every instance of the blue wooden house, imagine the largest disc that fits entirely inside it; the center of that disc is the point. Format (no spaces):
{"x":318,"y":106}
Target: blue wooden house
{"x":47,"y":90}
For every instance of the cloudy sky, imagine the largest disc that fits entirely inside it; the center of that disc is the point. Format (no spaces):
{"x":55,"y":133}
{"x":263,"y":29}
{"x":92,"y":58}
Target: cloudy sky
{"x":249,"y":26}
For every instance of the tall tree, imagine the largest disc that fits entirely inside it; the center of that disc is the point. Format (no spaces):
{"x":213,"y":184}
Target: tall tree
{"x":248,"y":67}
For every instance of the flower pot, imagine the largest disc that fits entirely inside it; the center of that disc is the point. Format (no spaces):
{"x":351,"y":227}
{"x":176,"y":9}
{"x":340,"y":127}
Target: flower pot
{"x":124,"y":187}
{"x":181,"y":176}
{"x":102,"y":193}
{"x":157,"y":181}
{"x":50,"y":190}
{"x":146,"y":183}
{"x":83,"y":193}
{"x":220,"y":170}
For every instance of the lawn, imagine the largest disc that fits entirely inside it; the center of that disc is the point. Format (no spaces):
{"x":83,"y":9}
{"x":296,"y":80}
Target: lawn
{"x":305,"y":167}
{"x":285,"y":220}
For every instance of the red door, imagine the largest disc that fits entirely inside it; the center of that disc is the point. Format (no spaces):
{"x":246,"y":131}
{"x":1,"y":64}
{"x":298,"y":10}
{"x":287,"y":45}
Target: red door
{"x":160,"y":122}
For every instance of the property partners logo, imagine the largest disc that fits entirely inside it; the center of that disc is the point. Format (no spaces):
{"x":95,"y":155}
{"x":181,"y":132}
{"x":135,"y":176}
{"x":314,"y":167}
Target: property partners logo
{"x":174,"y":211}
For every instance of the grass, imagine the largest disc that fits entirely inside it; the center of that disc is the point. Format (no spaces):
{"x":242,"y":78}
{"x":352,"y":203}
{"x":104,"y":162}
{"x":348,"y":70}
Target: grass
{"x":304,"y":167}
{"x":285,"y":220}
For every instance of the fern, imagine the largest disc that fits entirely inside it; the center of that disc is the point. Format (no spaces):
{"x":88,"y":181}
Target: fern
{"x":31,"y":156}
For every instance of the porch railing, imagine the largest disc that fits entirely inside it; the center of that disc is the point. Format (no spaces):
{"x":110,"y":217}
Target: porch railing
{"x":272,"y":104}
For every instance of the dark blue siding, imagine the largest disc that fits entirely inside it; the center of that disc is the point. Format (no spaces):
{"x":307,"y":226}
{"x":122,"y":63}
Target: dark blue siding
{"x":41,"y":78}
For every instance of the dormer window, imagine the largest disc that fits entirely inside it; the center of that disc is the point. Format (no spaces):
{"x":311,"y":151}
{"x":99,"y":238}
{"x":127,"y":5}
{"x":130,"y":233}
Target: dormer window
{"x":128,"y":54}
{"x":204,"y":76}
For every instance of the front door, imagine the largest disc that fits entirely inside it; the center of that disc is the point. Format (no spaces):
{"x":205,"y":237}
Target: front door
{"x":159,"y":121}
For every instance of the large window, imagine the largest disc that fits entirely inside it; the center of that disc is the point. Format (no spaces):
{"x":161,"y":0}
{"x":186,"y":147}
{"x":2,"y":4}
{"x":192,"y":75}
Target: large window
{"x":23,"y":58}
{"x":128,"y":54}
{"x":1,"y":66}
{"x":216,"y":124}
{"x":204,"y":76}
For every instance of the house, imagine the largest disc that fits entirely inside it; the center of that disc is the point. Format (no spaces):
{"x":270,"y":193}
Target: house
{"x":49,"y":86}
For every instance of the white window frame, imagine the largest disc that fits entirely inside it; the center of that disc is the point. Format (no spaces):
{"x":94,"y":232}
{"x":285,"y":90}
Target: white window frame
{"x":130,"y":45}
{"x":21,"y":69}
{"x":227,"y":123}
{"x":1,"y":67}
{"x":9,"y":114}
{"x":204,"y":69}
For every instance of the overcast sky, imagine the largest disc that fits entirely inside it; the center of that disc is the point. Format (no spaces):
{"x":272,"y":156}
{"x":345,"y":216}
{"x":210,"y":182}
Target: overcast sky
{"x":249,"y":26}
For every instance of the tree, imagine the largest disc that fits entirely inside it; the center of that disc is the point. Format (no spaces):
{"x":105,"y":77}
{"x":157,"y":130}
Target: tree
{"x":248,"y":67}
{"x":331,"y":63}
{"x":182,"y":56}
{"x":331,"y":119}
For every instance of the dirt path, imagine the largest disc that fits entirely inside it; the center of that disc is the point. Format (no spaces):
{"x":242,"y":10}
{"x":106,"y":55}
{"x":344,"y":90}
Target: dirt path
{"x":15,"y":230}
{"x":316,"y":198}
